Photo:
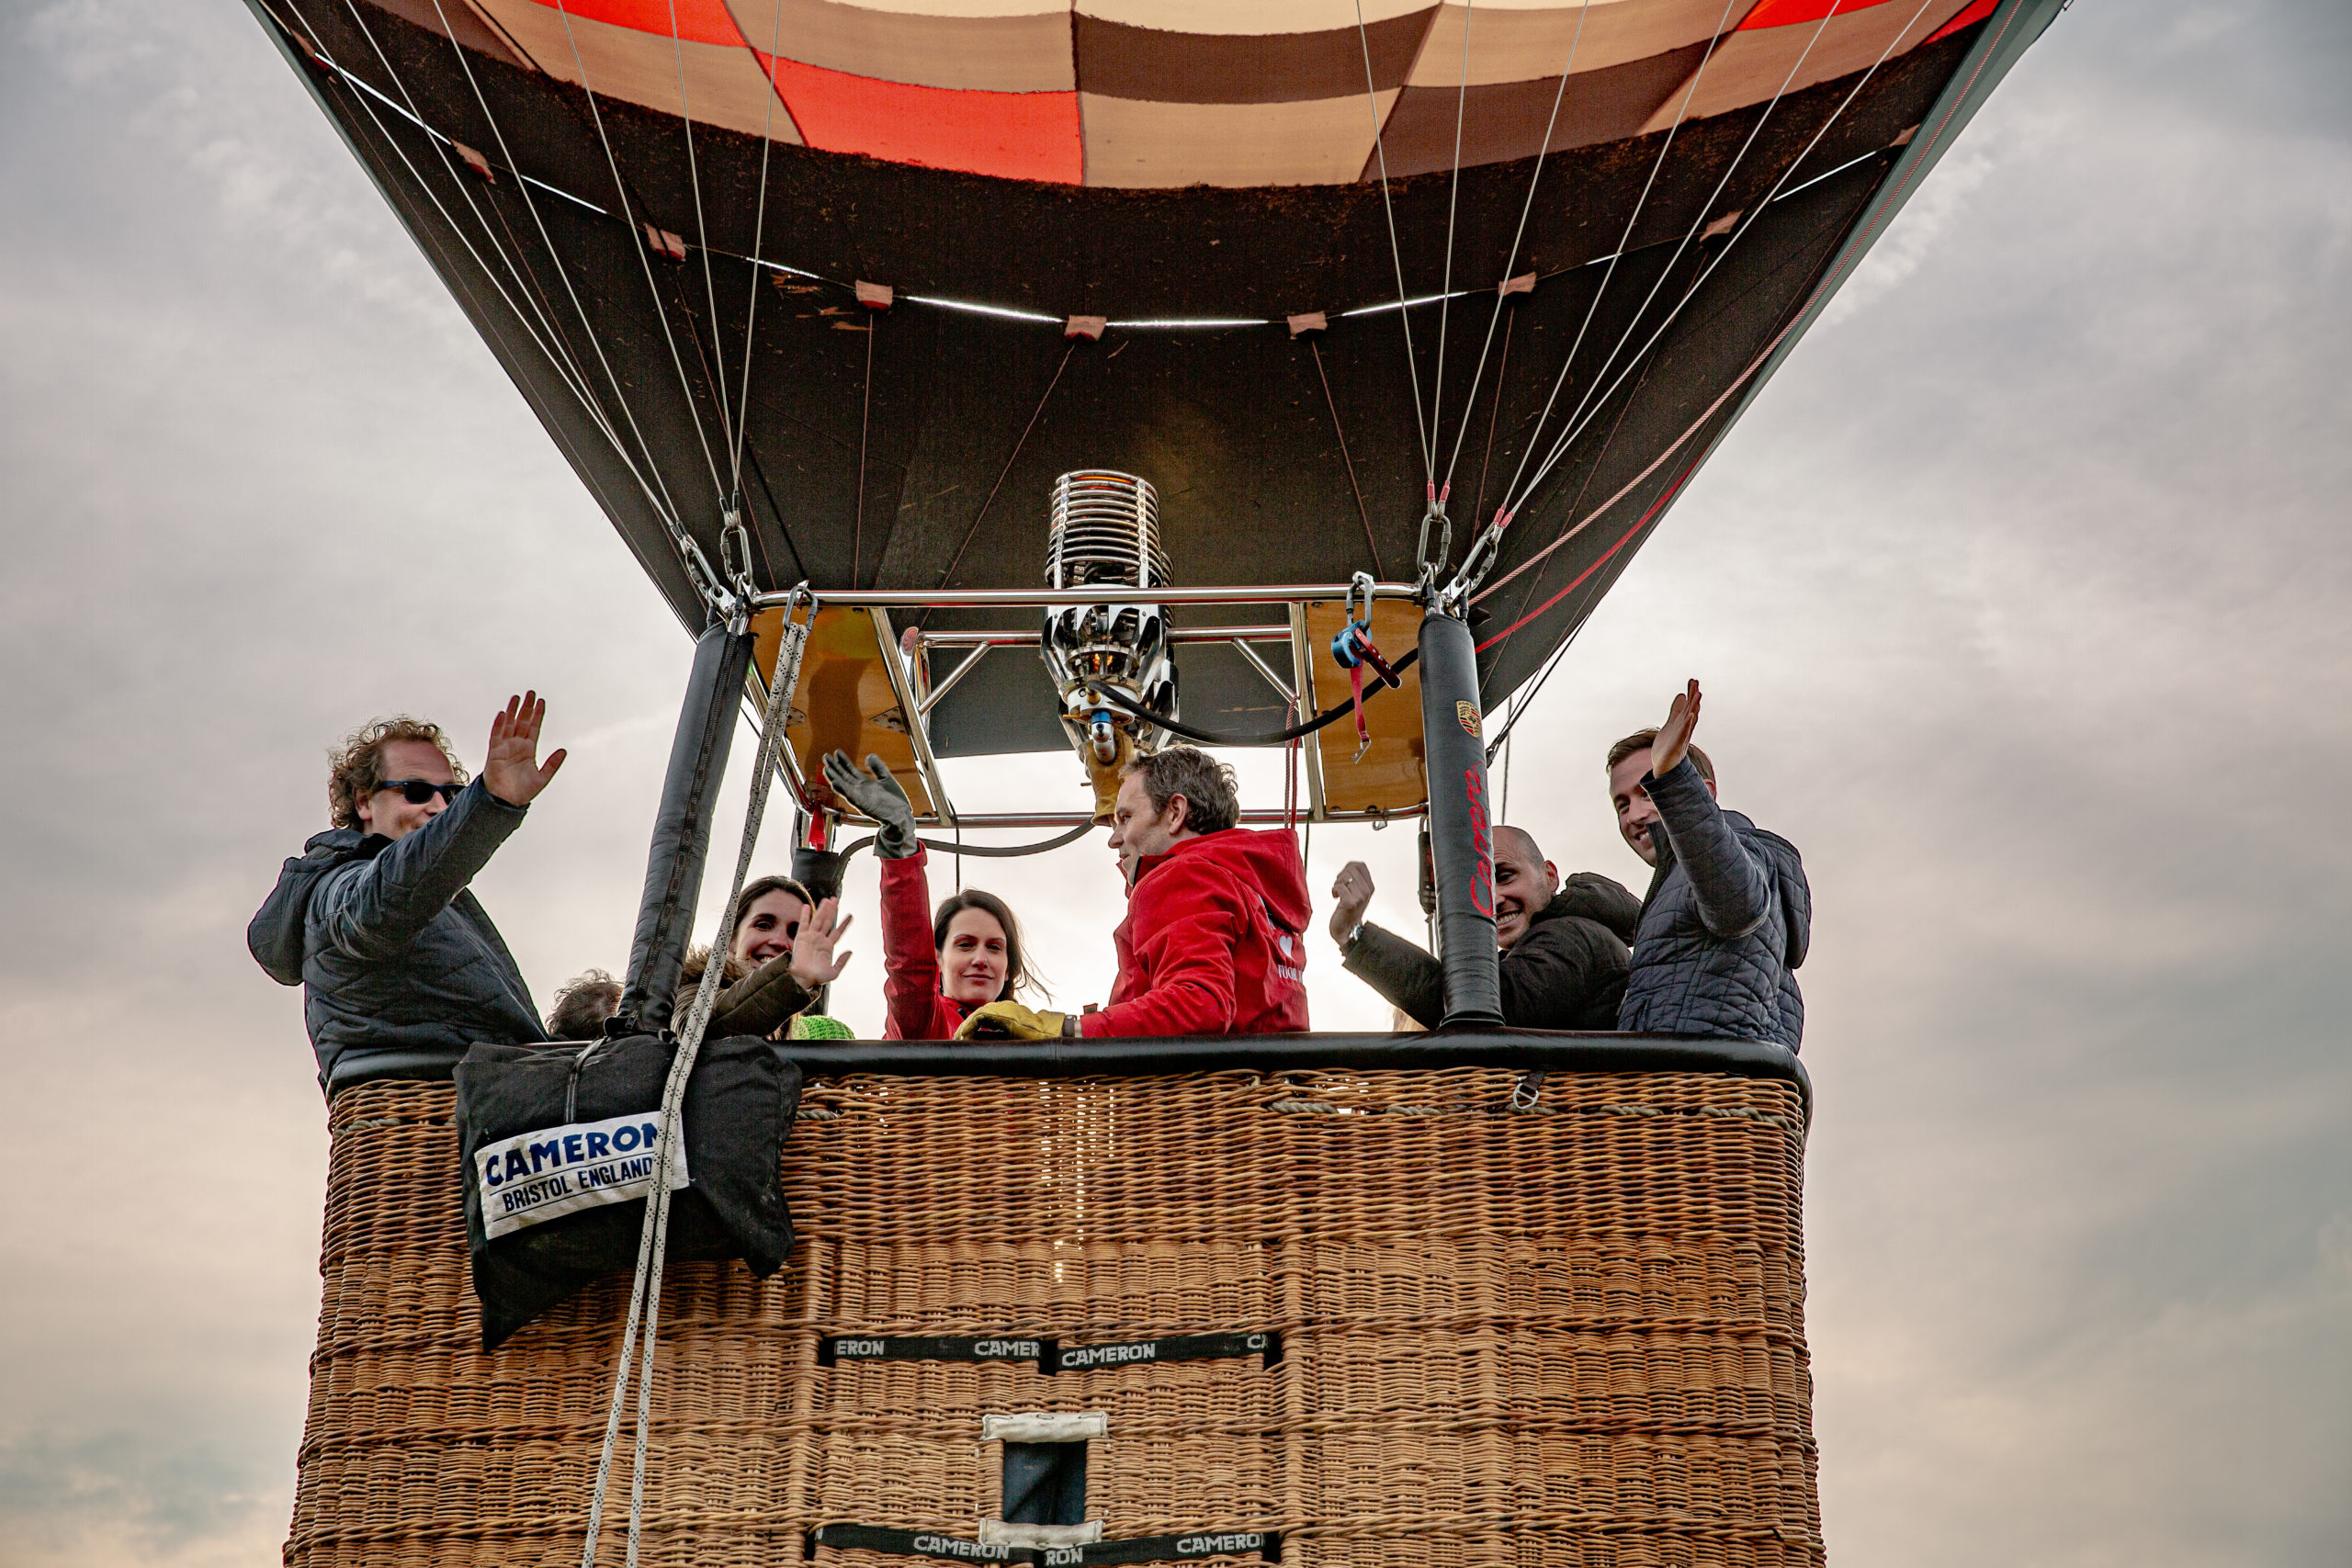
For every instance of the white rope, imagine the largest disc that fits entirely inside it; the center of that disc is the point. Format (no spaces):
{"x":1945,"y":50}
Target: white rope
{"x":645,"y":1294}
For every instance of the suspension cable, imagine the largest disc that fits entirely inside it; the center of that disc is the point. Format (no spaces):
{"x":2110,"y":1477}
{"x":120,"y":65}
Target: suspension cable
{"x":759,"y":246}
{"x":1526,"y":205}
{"x":556,"y":356}
{"x":595,"y":340}
{"x":702,"y":240}
{"x":1586,"y":405}
{"x":653,"y":289}
{"x":1640,"y":204}
{"x":1445,"y":288}
{"x":1747,"y":223}
{"x":1396,"y":252}
{"x":1354,"y":489}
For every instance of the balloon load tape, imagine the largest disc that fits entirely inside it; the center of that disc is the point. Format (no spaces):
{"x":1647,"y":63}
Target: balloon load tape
{"x":1050,"y":1356}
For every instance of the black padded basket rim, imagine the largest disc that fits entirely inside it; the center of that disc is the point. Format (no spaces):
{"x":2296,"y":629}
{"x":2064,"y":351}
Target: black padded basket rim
{"x":1519,"y":1050}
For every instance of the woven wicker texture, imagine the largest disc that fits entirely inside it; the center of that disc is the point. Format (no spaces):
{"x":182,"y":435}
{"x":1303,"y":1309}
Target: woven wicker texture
{"x":1570,"y":1335}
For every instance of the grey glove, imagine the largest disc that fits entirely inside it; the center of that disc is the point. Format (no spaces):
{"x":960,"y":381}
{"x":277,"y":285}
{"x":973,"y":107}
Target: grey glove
{"x":877,"y":795}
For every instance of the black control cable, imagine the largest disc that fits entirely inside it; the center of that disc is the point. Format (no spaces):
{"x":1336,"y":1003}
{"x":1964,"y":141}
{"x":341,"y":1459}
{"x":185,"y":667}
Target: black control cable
{"x":1276,"y":738}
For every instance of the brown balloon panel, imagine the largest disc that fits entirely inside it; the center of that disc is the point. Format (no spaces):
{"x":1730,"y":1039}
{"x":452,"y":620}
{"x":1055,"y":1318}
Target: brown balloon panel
{"x":1388,"y":777}
{"x":849,"y":698}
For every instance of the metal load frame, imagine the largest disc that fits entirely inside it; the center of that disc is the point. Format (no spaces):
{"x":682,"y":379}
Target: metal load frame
{"x":1302,"y":605}
{"x":1446,"y":748}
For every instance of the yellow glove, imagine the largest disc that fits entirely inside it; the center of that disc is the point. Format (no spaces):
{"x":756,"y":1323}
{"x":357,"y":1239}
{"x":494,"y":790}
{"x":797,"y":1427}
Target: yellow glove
{"x":1011,"y":1021}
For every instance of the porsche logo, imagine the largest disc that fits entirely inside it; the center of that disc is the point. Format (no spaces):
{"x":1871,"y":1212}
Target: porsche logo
{"x":1468,"y":714}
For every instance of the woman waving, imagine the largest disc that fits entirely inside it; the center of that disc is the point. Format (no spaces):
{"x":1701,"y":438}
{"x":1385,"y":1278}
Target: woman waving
{"x":937,"y":967}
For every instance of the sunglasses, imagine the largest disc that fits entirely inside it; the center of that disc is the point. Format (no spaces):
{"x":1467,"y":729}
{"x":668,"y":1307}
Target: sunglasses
{"x":416,"y":792}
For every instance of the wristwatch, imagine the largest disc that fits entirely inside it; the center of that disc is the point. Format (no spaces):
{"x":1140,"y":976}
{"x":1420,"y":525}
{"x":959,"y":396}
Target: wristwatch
{"x":1349,"y":941}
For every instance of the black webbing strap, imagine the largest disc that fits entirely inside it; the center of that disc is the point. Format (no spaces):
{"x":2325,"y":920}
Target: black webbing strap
{"x":835,"y":1348}
{"x":1049,"y":1356}
{"x":1266,"y":1544}
{"x":1179,"y":1347}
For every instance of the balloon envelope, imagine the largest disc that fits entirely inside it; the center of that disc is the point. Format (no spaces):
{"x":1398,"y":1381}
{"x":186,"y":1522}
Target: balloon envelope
{"x":881,"y":273}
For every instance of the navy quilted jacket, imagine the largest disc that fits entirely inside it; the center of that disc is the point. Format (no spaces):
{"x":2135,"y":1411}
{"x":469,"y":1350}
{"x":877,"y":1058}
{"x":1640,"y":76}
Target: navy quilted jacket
{"x":1724,"y":925}
{"x":398,"y":960}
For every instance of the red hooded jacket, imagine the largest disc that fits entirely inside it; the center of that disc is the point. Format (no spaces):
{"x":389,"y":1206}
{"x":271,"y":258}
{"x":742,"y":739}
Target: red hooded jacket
{"x":910,"y":964}
{"x":1213,"y":941}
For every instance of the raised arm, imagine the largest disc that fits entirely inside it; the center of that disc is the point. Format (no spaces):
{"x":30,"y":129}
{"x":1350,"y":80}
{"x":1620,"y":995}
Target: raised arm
{"x":373,"y":909}
{"x":1734,"y":887}
{"x":910,"y":964}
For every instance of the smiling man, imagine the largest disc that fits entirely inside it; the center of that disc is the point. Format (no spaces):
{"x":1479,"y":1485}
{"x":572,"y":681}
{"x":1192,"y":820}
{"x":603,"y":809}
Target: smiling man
{"x":1728,"y":914}
{"x":1564,"y":947}
{"x":399,"y":964}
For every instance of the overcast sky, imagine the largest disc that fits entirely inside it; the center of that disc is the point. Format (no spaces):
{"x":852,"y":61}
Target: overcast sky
{"x":2020,"y":599}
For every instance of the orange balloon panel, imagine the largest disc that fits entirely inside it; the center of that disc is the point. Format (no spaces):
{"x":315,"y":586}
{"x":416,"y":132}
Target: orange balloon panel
{"x":1391,"y":776}
{"x":844,"y":700}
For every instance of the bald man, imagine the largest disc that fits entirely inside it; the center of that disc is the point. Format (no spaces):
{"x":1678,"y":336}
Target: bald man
{"x":1564,"y":950}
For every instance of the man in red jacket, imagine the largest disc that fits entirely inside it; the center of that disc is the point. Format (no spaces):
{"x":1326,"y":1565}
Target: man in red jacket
{"x":1213,"y":942}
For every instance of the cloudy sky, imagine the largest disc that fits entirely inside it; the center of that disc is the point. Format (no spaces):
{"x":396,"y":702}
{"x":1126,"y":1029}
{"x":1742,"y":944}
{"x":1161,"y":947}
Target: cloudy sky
{"x":2020,"y":600}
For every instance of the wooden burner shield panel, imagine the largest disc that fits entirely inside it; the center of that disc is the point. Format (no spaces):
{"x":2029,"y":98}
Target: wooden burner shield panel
{"x":1567,"y":1335}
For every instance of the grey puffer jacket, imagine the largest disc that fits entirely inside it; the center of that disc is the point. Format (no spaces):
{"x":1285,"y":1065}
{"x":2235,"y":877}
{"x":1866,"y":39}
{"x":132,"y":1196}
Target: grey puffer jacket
{"x":1724,"y":925}
{"x":1568,"y":972}
{"x":397,"y":959}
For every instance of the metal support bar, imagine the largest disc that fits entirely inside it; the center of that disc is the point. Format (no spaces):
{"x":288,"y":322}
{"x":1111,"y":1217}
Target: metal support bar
{"x":1461,"y":841}
{"x":1262,"y":668}
{"x":1301,"y":668}
{"x":979,"y":651}
{"x":665,"y":912}
{"x":1100,"y":593}
{"x":1274,"y":633}
{"x":918,"y":733}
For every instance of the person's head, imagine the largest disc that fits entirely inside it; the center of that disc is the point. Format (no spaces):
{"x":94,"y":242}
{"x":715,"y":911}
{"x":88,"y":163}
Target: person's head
{"x":1629,"y":761}
{"x":768,"y":913}
{"x":980,"y":949}
{"x":1524,"y":883}
{"x":1171,"y":795}
{"x":583,"y":1006}
{"x":376,"y":776}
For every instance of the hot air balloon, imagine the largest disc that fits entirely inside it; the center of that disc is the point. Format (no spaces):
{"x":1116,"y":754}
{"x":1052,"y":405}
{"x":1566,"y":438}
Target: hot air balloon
{"x":975,"y":376}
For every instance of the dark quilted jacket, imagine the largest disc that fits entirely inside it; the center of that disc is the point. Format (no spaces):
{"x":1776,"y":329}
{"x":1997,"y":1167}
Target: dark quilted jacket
{"x":397,"y":959}
{"x":1724,"y":925}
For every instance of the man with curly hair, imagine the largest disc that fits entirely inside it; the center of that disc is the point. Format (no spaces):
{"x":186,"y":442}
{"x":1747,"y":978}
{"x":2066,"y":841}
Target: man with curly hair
{"x":400,"y":968}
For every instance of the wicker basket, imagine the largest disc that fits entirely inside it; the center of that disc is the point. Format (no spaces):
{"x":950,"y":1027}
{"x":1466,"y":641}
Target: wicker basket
{"x":1566,"y":1334}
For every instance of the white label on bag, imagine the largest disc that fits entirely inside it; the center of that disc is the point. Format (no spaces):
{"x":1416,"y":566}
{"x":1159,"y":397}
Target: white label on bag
{"x":536,"y":1176}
